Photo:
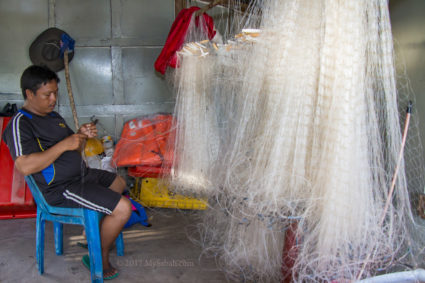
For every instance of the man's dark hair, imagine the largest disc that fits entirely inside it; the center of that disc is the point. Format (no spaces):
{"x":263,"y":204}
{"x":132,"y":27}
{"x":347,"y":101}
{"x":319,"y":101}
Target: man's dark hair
{"x":35,"y":76}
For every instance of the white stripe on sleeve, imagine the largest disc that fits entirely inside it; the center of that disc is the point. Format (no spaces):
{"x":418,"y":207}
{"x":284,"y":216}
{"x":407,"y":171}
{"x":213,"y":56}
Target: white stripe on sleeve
{"x":17,"y":134}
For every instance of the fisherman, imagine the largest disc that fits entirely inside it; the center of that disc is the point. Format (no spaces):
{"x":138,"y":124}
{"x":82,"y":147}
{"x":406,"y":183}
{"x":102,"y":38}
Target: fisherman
{"x":42,"y":145}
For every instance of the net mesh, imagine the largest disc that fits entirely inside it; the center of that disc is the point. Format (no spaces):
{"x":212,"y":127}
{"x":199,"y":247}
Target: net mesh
{"x":298,"y":119}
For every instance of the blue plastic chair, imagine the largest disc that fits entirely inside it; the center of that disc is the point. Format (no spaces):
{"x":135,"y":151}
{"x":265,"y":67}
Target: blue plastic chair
{"x":59,"y":216}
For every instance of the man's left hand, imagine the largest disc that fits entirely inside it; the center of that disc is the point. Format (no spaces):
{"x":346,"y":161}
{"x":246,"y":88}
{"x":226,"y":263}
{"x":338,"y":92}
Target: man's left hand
{"x":89,"y":130}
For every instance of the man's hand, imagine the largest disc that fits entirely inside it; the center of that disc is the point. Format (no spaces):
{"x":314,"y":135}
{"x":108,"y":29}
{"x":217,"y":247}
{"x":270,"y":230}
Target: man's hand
{"x":89,"y":130}
{"x":37,"y":161}
{"x":74,"y":142}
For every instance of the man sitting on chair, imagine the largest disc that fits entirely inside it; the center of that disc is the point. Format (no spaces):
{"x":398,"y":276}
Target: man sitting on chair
{"x":42,"y":144}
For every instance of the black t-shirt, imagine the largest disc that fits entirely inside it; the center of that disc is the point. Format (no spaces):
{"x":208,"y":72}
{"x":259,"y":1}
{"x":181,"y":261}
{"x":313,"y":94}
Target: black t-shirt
{"x":27,"y":133}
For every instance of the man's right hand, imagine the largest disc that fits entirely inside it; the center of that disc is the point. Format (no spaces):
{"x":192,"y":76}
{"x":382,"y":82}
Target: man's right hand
{"x":37,"y":161}
{"x":74,"y":142}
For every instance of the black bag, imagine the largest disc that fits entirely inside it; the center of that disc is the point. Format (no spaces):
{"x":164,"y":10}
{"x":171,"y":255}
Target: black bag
{"x":9,"y":110}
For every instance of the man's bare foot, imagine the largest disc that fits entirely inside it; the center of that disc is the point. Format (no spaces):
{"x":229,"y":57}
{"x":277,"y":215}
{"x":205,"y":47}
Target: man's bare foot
{"x":109,"y":272}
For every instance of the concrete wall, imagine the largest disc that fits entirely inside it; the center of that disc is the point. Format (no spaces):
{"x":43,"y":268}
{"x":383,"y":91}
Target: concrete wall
{"x":112,"y":73}
{"x":408,"y":26}
{"x":117,"y":42}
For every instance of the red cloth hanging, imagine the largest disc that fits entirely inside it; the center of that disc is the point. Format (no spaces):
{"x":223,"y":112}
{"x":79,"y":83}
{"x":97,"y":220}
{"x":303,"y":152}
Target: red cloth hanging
{"x":177,"y":35}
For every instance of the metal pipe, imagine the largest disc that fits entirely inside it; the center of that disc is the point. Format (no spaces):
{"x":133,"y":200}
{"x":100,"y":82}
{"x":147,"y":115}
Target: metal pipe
{"x":390,"y":194}
{"x":417,"y":275}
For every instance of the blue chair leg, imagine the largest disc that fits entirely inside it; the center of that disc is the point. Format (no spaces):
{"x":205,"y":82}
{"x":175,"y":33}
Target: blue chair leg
{"x":58,"y":232}
{"x":39,"y":242}
{"x":94,"y":244}
{"x":119,"y":243}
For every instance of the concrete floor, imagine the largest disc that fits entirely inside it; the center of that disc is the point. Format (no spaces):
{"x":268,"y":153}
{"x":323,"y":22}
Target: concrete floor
{"x":161,"y":253}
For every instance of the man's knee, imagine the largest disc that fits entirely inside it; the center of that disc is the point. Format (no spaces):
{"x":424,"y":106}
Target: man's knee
{"x":123,"y":208}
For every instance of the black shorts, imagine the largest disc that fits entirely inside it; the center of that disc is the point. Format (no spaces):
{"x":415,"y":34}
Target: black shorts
{"x":92,"y":192}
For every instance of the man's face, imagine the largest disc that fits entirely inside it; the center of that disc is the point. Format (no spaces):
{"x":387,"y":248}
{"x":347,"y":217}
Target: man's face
{"x":44,"y":100}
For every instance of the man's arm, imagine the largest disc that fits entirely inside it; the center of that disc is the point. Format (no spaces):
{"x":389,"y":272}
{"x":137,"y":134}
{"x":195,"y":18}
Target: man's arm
{"x":35,"y":162}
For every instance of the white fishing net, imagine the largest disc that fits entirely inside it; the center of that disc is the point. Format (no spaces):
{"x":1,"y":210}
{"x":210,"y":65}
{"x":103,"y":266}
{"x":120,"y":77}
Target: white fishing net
{"x":298,"y":119}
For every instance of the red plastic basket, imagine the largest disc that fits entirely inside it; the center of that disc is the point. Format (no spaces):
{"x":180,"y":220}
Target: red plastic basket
{"x":16,"y":200}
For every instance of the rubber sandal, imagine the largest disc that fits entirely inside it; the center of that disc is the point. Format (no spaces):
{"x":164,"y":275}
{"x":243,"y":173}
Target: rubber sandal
{"x":86,"y":262}
{"x":83,"y":245}
{"x":108,"y":271}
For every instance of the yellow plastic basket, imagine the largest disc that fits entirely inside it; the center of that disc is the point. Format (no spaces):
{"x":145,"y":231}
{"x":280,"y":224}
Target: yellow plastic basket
{"x":152,"y":192}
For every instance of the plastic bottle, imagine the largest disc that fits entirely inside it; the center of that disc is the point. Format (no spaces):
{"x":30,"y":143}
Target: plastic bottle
{"x":108,"y":145}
